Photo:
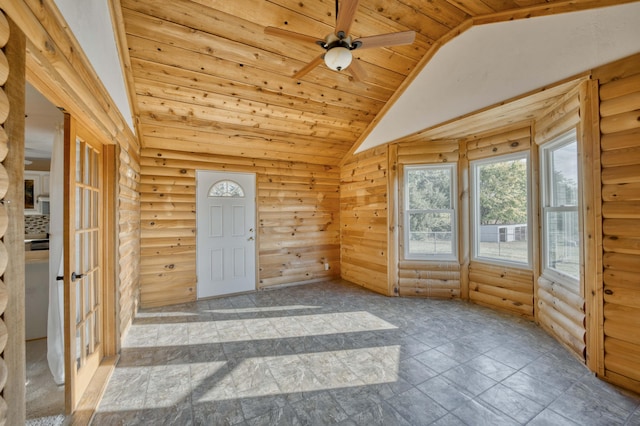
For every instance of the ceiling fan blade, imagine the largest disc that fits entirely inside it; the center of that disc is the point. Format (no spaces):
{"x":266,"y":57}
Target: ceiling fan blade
{"x":311,"y":65}
{"x":346,"y":14}
{"x":356,"y":70}
{"x":385,"y":40}
{"x":273,"y":31}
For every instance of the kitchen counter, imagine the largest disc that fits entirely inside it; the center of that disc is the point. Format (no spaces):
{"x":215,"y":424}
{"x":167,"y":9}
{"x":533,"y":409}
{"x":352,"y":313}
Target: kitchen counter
{"x":36,"y":256}
{"x":36,"y":248}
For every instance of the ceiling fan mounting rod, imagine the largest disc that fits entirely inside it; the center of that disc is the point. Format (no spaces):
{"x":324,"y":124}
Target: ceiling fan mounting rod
{"x":333,"y":40}
{"x":338,"y":43}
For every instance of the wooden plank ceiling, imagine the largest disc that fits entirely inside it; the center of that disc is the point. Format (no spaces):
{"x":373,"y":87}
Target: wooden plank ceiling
{"x":207,"y":78}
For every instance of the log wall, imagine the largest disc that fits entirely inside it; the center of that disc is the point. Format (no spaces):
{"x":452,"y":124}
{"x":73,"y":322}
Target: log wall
{"x":12,"y":334}
{"x":501,"y":287}
{"x":129,"y":238}
{"x":297,"y":215}
{"x":496,"y":286}
{"x":429,"y":279}
{"x":620,"y":158}
{"x":425,"y":278}
{"x":364,"y":214}
{"x":560,"y":303}
{"x":4,"y":217}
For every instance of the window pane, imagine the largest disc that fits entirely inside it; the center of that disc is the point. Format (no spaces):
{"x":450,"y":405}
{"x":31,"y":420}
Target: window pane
{"x":430,"y":233}
{"x":429,"y":220}
{"x":87,"y":164}
{"x":561,"y":228}
{"x":502,"y":210}
{"x":79,"y":160}
{"x":226,"y":188}
{"x":429,"y":189}
{"x":562,"y":235}
{"x":564,"y":175}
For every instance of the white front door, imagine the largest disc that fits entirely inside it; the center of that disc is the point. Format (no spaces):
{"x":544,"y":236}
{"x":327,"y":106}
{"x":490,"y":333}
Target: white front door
{"x":225,"y":241}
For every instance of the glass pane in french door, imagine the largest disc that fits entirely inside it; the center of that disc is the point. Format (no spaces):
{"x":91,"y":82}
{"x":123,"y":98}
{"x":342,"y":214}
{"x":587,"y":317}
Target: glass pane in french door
{"x":83,"y":260}
{"x":87,"y":250}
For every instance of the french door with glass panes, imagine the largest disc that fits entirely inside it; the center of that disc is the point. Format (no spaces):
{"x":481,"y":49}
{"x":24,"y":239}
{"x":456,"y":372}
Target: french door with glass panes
{"x":83,"y":275}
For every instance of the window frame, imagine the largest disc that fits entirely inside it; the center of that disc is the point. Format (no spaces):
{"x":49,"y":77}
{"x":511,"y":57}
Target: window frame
{"x":453,"y":172}
{"x":546,"y":194}
{"x":474,"y":172}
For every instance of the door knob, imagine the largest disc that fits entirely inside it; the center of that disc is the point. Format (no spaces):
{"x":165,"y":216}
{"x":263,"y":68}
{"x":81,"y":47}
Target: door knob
{"x":75,"y":276}
{"x":250,"y":239}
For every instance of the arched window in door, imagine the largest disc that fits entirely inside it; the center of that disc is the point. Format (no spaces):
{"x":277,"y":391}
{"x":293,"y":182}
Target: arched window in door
{"x":226,"y":188}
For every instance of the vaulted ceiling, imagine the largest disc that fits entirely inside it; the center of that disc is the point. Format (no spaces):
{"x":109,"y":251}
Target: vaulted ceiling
{"x":207,"y":79}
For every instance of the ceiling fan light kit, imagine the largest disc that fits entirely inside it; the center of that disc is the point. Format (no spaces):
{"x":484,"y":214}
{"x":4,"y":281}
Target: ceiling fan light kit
{"x":339,"y":44}
{"x":338,"y":58}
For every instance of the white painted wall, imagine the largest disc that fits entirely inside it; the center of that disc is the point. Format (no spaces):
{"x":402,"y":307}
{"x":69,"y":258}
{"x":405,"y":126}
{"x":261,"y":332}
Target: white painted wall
{"x":491,"y":63}
{"x":90,"y":22}
{"x":41,"y":120}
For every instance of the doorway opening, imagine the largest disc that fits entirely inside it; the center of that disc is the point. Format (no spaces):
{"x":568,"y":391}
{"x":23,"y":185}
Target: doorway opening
{"x":71,"y":333}
{"x":43,"y":123}
{"x":226,"y":238}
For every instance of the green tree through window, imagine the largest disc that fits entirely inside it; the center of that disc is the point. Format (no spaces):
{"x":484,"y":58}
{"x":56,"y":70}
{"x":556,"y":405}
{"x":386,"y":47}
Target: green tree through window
{"x":503,"y":193}
{"x":429,"y":213}
{"x":500,"y":208}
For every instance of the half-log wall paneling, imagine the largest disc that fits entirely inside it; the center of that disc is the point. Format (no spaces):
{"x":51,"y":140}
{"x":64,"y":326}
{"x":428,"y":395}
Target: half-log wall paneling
{"x":298,"y":222}
{"x":497,"y":286}
{"x":620,"y":156}
{"x":560,"y":307}
{"x":12,"y":332}
{"x":364,"y":214}
{"x":4,"y":216}
{"x":129,"y":236}
{"x":425,"y":278}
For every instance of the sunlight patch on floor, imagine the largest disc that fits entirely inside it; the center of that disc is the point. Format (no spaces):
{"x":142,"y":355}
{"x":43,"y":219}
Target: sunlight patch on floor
{"x":307,"y":372}
{"x":285,"y":327}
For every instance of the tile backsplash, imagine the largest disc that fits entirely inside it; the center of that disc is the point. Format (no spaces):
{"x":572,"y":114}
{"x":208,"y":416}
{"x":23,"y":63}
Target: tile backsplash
{"x":36,"y":224}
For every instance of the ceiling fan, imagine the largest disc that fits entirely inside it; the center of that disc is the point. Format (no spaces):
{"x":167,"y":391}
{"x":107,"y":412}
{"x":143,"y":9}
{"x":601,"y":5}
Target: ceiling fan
{"x":339,"y":44}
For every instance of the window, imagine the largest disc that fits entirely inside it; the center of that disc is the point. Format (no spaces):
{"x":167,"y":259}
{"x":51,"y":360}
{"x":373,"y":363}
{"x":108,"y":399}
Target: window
{"x":501,"y":209}
{"x":430,"y":218}
{"x":226,"y":188}
{"x":559,"y":198}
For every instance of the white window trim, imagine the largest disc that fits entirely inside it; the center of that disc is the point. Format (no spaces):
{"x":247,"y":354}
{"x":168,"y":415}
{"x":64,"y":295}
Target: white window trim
{"x":545,"y":201}
{"x":475,"y":210}
{"x":453,"y":256}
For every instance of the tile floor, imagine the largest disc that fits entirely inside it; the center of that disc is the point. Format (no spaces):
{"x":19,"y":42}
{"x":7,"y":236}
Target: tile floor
{"x":333,"y":353}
